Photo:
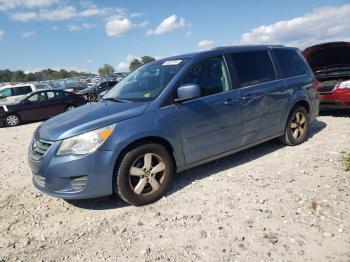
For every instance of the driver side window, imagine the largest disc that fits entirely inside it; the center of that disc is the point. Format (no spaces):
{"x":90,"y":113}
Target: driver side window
{"x":210,"y":75}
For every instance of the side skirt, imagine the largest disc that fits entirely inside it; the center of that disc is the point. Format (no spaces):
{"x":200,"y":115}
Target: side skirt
{"x":212,"y":158}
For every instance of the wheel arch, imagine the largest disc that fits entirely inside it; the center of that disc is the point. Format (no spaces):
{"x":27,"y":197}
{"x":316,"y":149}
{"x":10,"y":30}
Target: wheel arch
{"x":300,"y":102}
{"x":144,"y":140}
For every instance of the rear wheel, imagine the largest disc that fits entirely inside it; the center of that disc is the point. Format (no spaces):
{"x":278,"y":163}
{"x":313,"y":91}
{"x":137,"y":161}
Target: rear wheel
{"x":297,"y":127}
{"x":12,"y":120}
{"x":144,"y":174}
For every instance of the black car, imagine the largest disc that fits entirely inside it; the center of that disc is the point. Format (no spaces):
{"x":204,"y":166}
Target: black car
{"x":38,"y":106}
{"x":92,"y":93}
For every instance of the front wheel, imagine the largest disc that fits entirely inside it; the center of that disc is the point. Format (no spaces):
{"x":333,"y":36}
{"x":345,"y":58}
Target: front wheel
{"x":12,"y":120}
{"x":144,"y":174}
{"x":297,"y":127}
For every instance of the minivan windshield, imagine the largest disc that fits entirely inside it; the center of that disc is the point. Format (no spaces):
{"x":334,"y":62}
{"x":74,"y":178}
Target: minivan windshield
{"x":145,"y":83}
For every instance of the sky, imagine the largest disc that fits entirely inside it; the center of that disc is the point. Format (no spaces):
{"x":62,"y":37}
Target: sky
{"x":85,"y":34}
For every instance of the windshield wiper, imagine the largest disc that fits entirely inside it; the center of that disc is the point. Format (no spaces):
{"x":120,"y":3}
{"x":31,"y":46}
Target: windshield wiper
{"x":116,"y":100}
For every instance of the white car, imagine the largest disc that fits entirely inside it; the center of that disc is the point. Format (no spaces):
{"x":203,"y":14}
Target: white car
{"x":11,"y":93}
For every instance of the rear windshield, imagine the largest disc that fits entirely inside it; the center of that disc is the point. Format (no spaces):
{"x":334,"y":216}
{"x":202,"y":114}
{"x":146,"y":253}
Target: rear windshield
{"x":290,"y":62}
{"x":147,"y":82}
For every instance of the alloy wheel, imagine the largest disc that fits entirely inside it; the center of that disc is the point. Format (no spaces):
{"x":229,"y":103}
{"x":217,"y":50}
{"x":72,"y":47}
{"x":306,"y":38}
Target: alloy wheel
{"x":147,"y":174}
{"x":298,"y":125}
{"x":12,"y":120}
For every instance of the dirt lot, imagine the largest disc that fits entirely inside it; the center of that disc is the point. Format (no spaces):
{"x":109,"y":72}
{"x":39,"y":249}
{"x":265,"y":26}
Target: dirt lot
{"x":267,"y":203}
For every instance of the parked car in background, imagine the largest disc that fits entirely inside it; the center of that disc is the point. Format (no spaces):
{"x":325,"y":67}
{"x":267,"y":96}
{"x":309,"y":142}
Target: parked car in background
{"x":92,"y":93}
{"x":173,"y":114}
{"x":11,"y":93}
{"x":39,"y":105}
{"x":331,"y":65}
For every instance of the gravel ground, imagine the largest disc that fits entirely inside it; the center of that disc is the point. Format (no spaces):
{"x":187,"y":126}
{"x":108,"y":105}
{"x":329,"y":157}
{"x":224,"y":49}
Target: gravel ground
{"x":267,"y":203}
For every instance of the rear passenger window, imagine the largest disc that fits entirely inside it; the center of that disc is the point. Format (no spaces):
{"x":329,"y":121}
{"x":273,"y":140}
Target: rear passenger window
{"x":290,"y":62}
{"x":23,"y":90}
{"x":50,"y":95}
{"x":253,"y":68}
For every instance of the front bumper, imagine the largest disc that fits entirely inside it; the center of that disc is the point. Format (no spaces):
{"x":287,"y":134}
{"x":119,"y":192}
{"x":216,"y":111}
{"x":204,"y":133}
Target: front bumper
{"x":339,"y":99}
{"x":73,"y":177}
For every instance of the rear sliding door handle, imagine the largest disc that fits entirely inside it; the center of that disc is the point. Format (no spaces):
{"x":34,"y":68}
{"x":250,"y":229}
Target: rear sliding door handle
{"x":248,"y":97}
{"x":229,"y":101}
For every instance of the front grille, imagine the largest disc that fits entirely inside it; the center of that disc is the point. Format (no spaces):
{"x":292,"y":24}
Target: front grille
{"x":327,"y":86}
{"x":38,"y":148}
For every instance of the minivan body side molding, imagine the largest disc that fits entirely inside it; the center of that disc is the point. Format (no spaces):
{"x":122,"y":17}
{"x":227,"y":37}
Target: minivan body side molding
{"x":227,"y":153}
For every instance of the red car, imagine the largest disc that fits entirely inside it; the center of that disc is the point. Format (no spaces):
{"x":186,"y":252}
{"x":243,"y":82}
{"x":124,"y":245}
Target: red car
{"x":331,"y":65}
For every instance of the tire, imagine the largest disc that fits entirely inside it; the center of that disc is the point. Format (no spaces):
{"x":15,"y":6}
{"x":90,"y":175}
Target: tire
{"x":12,"y":120}
{"x":92,"y":97}
{"x":70,"y":107}
{"x":297,"y":127}
{"x":144,"y":186}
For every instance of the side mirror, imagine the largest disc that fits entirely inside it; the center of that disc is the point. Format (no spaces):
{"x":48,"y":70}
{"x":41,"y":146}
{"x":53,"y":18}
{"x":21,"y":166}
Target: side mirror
{"x":187,"y":92}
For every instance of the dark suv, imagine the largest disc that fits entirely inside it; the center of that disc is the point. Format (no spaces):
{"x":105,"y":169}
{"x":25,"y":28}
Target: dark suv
{"x":171,"y":115}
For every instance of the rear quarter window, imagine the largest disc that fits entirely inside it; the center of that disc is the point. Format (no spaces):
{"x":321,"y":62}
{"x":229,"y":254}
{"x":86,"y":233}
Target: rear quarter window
{"x":290,"y":62}
{"x":253,"y":68}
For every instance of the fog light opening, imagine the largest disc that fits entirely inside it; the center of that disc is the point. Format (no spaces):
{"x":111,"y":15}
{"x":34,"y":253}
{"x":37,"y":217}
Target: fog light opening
{"x":78,"y":182}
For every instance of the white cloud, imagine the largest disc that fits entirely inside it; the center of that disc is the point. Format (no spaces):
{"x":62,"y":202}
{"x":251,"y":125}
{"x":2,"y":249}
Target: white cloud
{"x":135,"y":15}
{"x":77,"y":27}
{"x":89,"y":61}
{"x":55,"y":27}
{"x":23,"y":16}
{"x":29,"y":34}
{"x":11,"y":4}
{"x":119,"y":25}
{"x":189,"y":33}
{"x":124,"y":66}
{"x":61,"y":13}
{"x":205,"y":44}
{"x":1,"y":34}
{"x":170,"y":24}
{"x":323,"y":24}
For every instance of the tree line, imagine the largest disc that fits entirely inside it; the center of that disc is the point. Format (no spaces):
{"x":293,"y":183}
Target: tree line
{"x":134,"y":64}
{"x":46,"y":74}
{"x":49,"y":74}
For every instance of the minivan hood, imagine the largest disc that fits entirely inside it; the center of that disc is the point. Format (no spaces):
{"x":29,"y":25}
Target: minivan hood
{"x":328,"y":55}
{"x":88,"y":117}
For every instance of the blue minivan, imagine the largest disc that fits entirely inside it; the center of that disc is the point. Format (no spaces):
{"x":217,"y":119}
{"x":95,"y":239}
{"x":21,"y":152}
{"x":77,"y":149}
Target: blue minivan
{"x":171,"y":115}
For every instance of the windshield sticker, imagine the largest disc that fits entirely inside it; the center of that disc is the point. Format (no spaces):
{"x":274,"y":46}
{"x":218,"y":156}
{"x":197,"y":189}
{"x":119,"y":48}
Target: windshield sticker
{"x":172,"y":62}
{"x":147,"y":95}
{"x":5,"y":108}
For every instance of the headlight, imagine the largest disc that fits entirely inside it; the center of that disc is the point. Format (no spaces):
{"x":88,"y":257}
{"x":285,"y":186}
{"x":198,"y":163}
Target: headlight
{"x":85,"y":143}
{"x":344,"y":85}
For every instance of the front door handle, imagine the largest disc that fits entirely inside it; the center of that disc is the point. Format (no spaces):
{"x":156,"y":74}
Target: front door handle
{"x":229,"y":102}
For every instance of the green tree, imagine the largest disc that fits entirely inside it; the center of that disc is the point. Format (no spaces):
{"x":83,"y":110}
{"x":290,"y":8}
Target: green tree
{"x":147,"y":59}
{"x":136,"y":63}
{"x":18,"y":76}
{"x":106,"y":69}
